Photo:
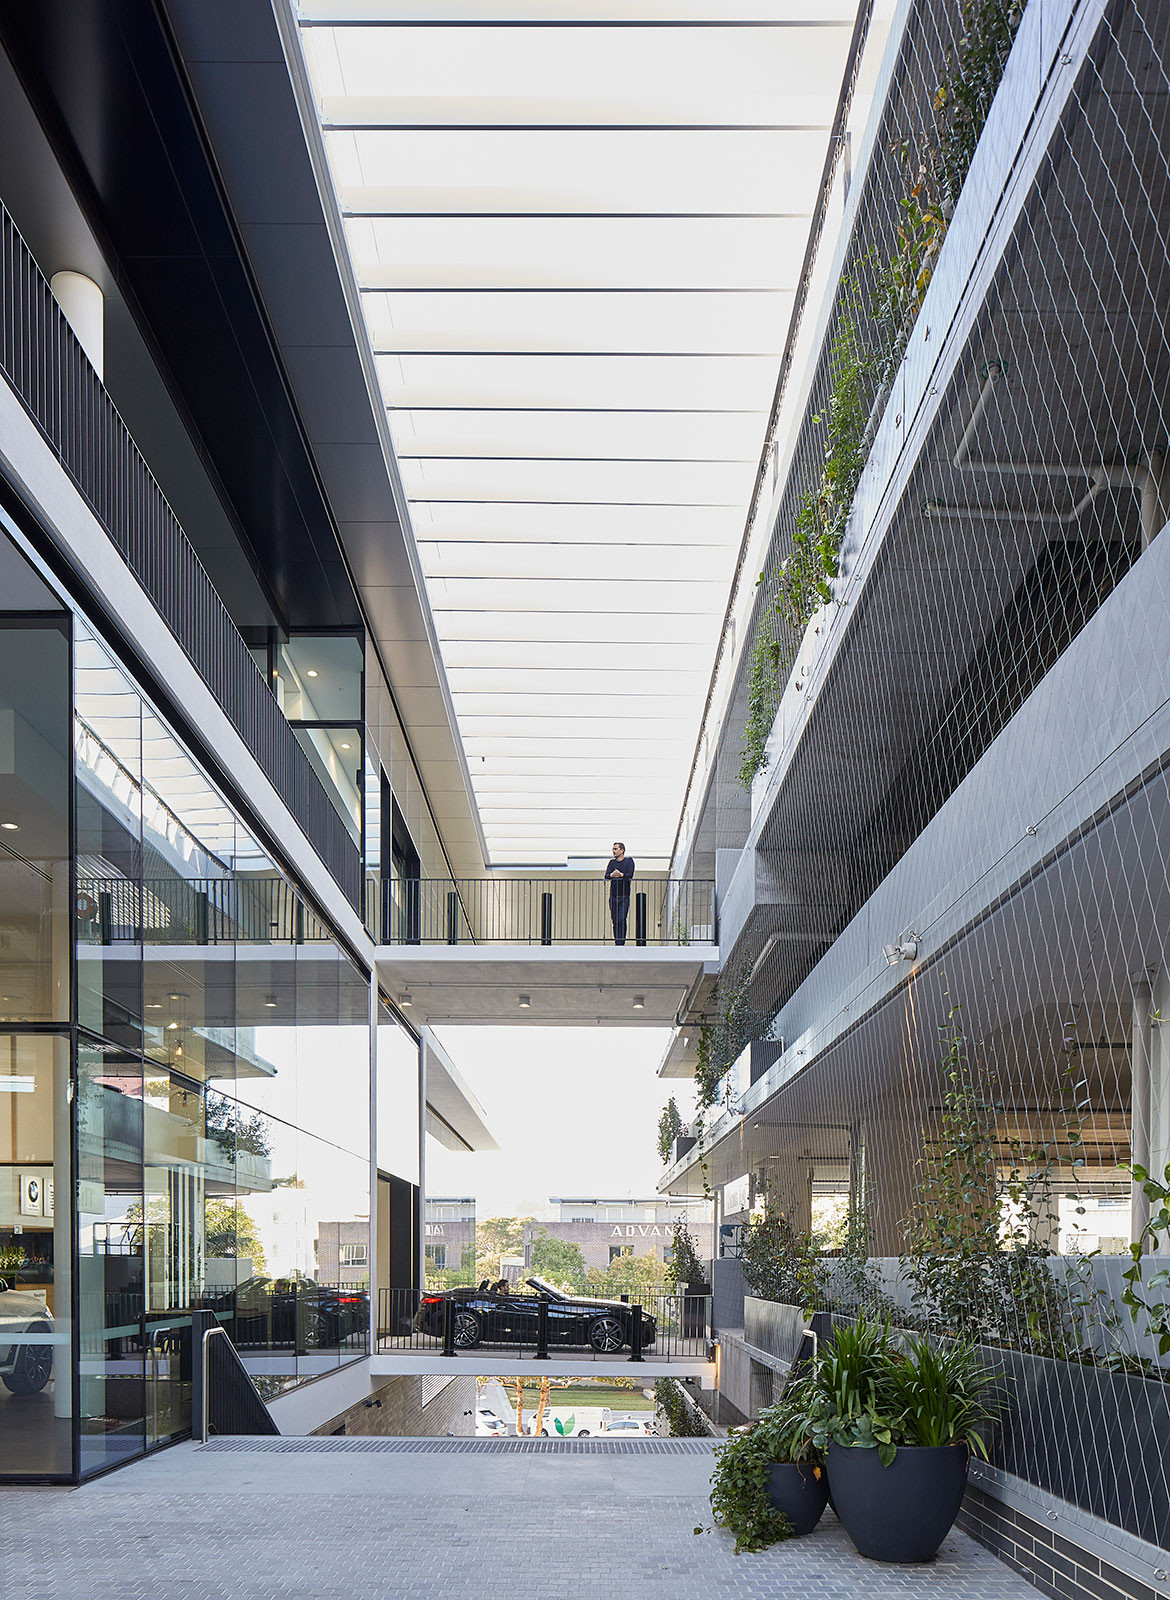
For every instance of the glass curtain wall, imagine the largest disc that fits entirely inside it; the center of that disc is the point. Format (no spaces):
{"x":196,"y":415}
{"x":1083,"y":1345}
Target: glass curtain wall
{"x":224,"y":1087}
{"x":35,"y":1244}
{"x":192,"y":1130}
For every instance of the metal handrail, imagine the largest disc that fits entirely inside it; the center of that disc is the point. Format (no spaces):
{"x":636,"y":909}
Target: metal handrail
{"x":205,"y":1421}
{"x":547,"y":910}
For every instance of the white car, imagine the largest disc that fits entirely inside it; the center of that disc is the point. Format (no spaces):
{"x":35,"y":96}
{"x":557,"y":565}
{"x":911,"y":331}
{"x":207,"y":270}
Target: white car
{"x":487,"y":1422}
{"x":628,"y":1427}
{"x":24,"y":1368}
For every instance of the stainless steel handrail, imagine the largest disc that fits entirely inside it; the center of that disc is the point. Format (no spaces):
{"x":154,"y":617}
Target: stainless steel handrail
{"x":205,"y":1421}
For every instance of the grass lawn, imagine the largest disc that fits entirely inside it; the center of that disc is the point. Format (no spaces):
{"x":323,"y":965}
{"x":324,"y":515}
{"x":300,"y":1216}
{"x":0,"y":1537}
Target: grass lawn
{"x":601,"y":1394}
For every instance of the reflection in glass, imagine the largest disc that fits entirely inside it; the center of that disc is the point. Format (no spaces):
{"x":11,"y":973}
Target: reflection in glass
{"x":35,"y":1256}
{"x":110,"y":1261}
{"x":398,"y":1098}
{"x":108,"y":768}
{"x":34,"y":820}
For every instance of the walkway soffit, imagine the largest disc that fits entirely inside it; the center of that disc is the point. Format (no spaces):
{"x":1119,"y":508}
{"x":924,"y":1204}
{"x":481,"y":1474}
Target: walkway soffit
{"x":577,"y":233}
{"x":566,"y":985}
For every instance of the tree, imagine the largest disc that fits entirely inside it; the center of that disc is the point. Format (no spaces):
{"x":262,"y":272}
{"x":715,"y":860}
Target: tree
{"x":229,"y":1232}
{"x":633,"y":1275}
{"x":496,"y":1237}
{"x":684,"y":1267}
{"x":559,"y":1260}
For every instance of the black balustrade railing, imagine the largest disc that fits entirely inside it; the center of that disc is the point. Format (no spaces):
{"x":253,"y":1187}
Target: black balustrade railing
{"x":546,"y":911}
{"x":527,"y":1326}
{"x":198,"y":911}
{"x":51,"y":375}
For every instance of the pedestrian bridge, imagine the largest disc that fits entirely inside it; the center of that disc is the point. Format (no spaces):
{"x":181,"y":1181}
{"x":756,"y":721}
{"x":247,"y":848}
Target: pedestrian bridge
{"x":553,"y":1334}
{"x":514,"y":950}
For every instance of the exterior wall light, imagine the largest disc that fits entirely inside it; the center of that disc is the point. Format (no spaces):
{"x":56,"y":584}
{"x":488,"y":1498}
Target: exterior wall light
{"x":524,"y":1001}
{"x":905,"y":950}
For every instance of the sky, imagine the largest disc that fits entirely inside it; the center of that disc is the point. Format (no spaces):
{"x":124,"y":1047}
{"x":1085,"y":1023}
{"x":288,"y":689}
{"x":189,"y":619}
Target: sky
{"x":574,"y":1111}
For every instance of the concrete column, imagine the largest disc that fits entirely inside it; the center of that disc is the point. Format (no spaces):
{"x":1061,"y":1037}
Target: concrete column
{"x":84,"y":307}
{"x":421,"y":1242}
{"x":892,"y":1162}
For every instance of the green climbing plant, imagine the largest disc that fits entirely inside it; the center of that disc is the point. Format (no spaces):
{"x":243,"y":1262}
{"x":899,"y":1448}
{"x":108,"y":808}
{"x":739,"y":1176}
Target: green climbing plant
{"x":806,"y":577}
{"x":1148,"y":1297}
{"x":670,"y":1125}
{"x":973,"y":73}
{"x":862,"y":361}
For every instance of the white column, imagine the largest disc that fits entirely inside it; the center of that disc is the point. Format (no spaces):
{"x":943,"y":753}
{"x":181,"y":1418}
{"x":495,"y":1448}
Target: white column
{"x":62,"y":1231}
{"x":1159,"y":1116}
{"x":1142,"y":1028}
{"x":85,"y":311}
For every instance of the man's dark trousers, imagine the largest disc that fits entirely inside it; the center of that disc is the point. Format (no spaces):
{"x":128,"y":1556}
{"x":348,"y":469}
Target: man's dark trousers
{"x":619,"y":910}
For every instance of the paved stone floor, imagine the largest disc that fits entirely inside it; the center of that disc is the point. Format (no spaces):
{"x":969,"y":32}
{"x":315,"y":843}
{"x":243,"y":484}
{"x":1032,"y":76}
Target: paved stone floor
{"x":432,"y":1520}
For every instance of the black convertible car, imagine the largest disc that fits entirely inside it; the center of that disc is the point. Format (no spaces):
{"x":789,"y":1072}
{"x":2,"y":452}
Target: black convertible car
{"x":495,"y":1316}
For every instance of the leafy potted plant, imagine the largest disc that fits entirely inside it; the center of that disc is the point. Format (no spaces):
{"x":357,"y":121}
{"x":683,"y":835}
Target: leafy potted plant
{"x":769,"y":1481}
{"x":797,"y":1484}
{"x":685,"y":1272}
{"x":898,"y":1427}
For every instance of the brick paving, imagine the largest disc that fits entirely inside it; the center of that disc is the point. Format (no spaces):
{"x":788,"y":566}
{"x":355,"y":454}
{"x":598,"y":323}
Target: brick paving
{"x":251,"y":1523}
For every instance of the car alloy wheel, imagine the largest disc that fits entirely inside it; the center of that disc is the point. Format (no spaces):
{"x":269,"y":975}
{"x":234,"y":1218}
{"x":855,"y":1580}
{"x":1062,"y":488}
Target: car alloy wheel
{"x":33,"y":1365}
{"x":467,"y":1330}
{"x":606,"y":1335}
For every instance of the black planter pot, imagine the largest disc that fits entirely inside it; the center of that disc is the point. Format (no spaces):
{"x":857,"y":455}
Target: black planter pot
{"x":795,"y":1489}
{"x":902,"y":1512}
{"x":694,"y":1310}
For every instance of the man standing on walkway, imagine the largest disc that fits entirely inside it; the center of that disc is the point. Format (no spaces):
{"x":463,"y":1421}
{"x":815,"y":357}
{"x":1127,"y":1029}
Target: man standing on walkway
{"x":620,"y":874}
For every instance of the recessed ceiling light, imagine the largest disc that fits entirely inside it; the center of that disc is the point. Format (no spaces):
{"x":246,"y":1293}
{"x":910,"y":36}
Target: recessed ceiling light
{"x":171,"y":1027}
{"x":404,"y":1000}
{"x":347,"y":746}
{"x":639,"y":1002}
{"x":175,"y":996}
{"x":10,"y":827}
{"x":312,"y":672}
{"x":524,"y":1001}
{"x":154,"y":1005}
{"x":270,"y":1002}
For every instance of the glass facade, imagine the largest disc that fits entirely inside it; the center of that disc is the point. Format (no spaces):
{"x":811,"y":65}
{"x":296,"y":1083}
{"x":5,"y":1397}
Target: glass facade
{"x":203,"y":1105}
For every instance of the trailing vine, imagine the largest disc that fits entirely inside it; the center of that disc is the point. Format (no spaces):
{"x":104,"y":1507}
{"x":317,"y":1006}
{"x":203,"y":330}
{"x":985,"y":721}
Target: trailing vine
{"x":670,"y":1125}
{"x":973,"y":73}
{"x":862,"y":366}
{"x":806,"y":577}
{"x":763,"y":700}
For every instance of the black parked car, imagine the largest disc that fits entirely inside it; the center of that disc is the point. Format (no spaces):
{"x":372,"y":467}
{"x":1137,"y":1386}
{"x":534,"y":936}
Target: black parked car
{"x":501,"y":1316}
{"x":264,"y":1312}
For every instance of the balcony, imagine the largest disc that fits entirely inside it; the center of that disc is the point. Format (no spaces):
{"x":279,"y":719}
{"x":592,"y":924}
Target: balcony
{"x":507,"y":949}
{"x":50,"y":375}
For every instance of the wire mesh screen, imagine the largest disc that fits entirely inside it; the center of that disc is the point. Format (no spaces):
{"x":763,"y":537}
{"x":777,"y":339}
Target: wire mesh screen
{"x":958,"y":945}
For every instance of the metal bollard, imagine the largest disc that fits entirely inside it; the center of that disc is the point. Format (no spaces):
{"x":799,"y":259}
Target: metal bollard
{"x":636,"y":1334}
{"x":640,"y":918}
{"x":542,"y":1329}
{"x":546,"y":919}
{"x":452,"y":918}
{"x":448,"y":1327}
